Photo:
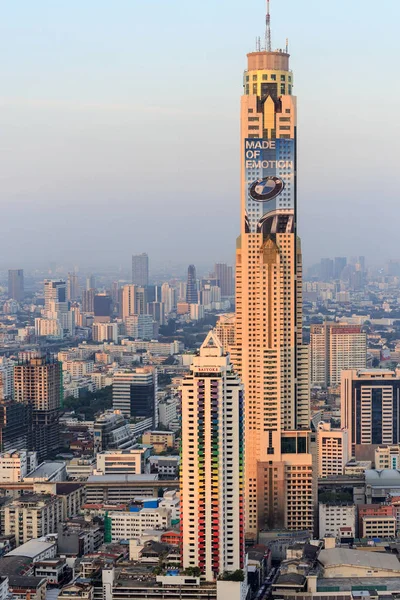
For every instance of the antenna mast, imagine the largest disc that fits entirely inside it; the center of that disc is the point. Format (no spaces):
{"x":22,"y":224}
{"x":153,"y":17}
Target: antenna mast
{"x":268,"y":45}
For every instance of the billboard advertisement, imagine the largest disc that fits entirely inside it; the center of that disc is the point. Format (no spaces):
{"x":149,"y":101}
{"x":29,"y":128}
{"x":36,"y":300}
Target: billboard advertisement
{"x":270,"y":185}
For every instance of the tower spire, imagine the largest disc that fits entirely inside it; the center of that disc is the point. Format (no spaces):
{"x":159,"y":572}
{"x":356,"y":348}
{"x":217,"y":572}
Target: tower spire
{"x":268,"y":45}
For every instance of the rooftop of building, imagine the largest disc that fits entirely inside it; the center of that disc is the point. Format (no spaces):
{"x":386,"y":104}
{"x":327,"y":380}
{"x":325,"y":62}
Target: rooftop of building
{"x":347,"y":584}
{"x":31,"y":548}
{"x":26,"y":582}
{"x":385,"y":477}
{"x":359,"y":558}
{"x":46,"y":469}
{"x":123,"y":478}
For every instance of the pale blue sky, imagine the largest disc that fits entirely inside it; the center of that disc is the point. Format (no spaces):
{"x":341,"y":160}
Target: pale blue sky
{"x":120,"y":123}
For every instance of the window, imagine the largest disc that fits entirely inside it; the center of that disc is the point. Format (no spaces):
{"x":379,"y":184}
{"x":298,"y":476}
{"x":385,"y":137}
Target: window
{"x":254,"y":88}
{"x":283,"y":88}
{"x":283,"y":78}
{"x":273,"y":77}
{"x":254,"y":77}
{"x":265,"y":77}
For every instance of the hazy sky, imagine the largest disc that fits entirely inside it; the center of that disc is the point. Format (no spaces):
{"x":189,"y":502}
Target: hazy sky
{"x":120,"y":126}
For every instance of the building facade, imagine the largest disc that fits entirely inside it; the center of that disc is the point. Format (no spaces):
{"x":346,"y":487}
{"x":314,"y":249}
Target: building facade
{"x":192,"y":294}
{"x":269,"y":354}
{"x":212,"y":463}
{"x":16,"y":284}
{"x":333,"y":450}
{"x":38,"y":382}
{"x":370,"y":408}
{"x":140,"y":269}
{"x":336,"y":348}
{"x":135,"y":393}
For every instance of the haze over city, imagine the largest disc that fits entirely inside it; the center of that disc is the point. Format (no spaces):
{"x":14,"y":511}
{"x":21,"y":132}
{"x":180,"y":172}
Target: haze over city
{"x":120,"y":127}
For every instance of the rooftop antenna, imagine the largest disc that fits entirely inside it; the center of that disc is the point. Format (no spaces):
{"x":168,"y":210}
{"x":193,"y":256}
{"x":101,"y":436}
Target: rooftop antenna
{"x":268,"y":45}
{"x":287,"y":45}
{"x":258,"y":44}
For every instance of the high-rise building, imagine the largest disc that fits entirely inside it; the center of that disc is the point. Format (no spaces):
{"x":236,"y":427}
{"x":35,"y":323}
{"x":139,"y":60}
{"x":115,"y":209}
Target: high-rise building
{"x":88,"y":300}
{"x":135,"y":393}
{"x":15,"y":425}
{"x":16,"y":284}
{"x":140,"y":327}
{"x":72,"y":287}
{"x":326,"y":269}
{"x":55,"y":293}
{"x":156,"y":310}
{"x":168,"y":297}
{"x":333,"y":450}
{"x":225,"y":329}
{"x":128,"y":301}
{"x":192,"y":295}
{"x":370,"y":410}
{"x":334,"y":348}
{"x":212,"y":463}
{"x":224,"y":274}
{"x":105,"y":332}
{"x":90,"y":282}
{"x":102,"y":305}
{"x":269,"y":354}
{"x":339,"y":264}
{"x":38,"y":382}
{"x":6,"y":378}
{"x":140,"y":269}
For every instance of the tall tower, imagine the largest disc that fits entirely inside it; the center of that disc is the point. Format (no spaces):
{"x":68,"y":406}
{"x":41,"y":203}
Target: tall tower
{"x":212,"y":463}
{"x":269,"y":355}
{"x":16,"y":284}
{"x":140,"y":269}
{"x":192,"y":296}
{"x":38,"y":382}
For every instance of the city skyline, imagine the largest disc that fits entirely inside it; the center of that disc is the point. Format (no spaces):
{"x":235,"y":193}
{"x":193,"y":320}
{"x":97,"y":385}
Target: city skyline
{"x":59,"y":90}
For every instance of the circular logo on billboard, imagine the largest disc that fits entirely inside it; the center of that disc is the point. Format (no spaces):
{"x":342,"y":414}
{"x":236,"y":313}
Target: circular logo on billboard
{"x":266,"y":189}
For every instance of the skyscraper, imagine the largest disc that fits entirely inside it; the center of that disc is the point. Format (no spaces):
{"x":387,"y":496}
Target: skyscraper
{"x":192,"y":296}
{"x":224,"y":274}
{"x":370,"y":410}
{"x":128,"y":301}
{"x":72,"y":287}
{"x":16,"y":284}
{"x":212,"y":463}
{"x":140,"y":269}
{"x":55,"y":291}
{"x":38,"y":382}
{"x":335,"y":348}
{"x":269,"y":355}
{"x":135,"y":393}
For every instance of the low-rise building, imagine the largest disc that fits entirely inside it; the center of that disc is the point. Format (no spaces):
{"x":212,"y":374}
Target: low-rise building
{"x":16,"y":464}
{"x":332,"y":450}
{"x":333,"y":517}
{"x":54,"y":571}
{"x":81,"y":468}
{"x":132,"y":461}
{"x":171,"y":502}
{"x":128,"y":525}
{"x":84,"y":591}
{"x":387,"y":457}
{"x":36,"y":550}
{"x":345,"y":563}
{"x":355,"y":468}
{"x":47,"y":471}
{"x":378,"y":526}
{"x":78,"y":537}
{"x":167,"y":411}
{"x":160,"y":440}
{"x":166,"y":466}
{"x":31,"y":516}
